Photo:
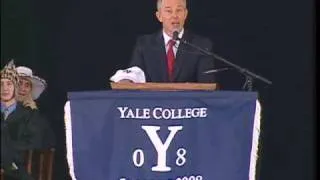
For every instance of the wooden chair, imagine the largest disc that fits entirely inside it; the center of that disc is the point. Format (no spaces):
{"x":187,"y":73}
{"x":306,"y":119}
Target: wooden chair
{"x":1,"y":175}
{"x":39,"y":163}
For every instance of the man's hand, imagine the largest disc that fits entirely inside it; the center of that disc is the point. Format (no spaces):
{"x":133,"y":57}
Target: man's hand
{"x":29,"y":102}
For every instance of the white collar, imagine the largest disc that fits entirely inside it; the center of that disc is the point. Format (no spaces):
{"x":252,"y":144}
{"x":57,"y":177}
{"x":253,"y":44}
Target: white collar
{"x":167,"y":38}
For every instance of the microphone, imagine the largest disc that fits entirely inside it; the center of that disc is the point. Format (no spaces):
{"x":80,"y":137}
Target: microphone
{"x":248,"y":74}
{"x":175,"y":36}
{"x":215,"y":70}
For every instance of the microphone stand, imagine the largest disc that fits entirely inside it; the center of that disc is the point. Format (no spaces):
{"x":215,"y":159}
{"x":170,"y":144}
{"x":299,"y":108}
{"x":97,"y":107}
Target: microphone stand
{"x":250,"y":76}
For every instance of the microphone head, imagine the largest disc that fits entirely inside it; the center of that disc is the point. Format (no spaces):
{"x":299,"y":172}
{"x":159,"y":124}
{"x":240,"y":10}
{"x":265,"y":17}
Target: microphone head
{"x":215,"y":70}
{"x":175,"y":35}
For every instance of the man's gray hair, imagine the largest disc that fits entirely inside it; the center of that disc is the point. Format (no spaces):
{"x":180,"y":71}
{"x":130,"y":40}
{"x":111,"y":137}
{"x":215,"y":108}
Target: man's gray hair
{"x":159,"y":3}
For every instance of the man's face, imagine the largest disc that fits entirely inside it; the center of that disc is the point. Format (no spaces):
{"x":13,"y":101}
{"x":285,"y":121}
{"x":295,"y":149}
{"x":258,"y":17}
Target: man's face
{"x":25,"y":87}
{"x":7,"y":90}
{"x":172,"y":14}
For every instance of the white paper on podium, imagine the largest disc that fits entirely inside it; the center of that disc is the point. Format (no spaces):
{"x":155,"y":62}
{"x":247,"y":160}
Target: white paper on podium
{"x":135,"y":74}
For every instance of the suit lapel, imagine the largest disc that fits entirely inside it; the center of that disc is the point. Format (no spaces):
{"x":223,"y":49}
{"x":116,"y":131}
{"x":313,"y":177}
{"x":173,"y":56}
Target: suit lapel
{"x":180,"y":56}
{"x":16,"y":114}
{"x":160,"y":52}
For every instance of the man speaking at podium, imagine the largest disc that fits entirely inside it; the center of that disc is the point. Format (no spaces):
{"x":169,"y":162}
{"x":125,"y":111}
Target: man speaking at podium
{"x":158,"y":58}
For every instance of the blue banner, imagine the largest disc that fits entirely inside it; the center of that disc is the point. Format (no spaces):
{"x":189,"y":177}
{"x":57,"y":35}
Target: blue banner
{"x":136,"y":135}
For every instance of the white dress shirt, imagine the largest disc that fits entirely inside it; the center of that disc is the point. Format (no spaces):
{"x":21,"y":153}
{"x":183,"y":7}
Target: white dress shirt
{"x":167,"y":38}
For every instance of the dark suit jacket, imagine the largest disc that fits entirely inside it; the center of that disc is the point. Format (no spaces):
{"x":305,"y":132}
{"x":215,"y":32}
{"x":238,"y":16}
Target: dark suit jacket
{"x":22,"y":130}
{"x":150,"y":55}
{"x":25,"y":128}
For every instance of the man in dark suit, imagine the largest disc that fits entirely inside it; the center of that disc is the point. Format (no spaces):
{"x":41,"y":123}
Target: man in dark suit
{"x":165,"y":61}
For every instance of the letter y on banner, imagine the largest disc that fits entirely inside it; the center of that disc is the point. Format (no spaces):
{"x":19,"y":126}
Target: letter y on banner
{"x":160,"y":147}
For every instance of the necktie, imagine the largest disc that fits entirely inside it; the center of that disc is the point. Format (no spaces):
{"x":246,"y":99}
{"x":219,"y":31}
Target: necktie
{"x":170,"y":58}
{"x":5,"y":113}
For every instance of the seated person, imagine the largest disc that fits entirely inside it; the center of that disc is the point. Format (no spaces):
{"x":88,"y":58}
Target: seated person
{"x":30,"y":89}
{"x":20,"y":129}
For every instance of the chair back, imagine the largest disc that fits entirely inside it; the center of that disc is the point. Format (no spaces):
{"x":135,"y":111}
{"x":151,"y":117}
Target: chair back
{"x":39,"y":163}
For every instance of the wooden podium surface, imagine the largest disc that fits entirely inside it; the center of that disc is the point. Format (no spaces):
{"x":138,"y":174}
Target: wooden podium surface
{"x":164,"y":86}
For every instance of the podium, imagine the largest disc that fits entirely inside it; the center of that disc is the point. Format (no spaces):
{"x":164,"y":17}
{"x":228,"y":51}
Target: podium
{"x":165,"y":86}
{"x":161,"y":131}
